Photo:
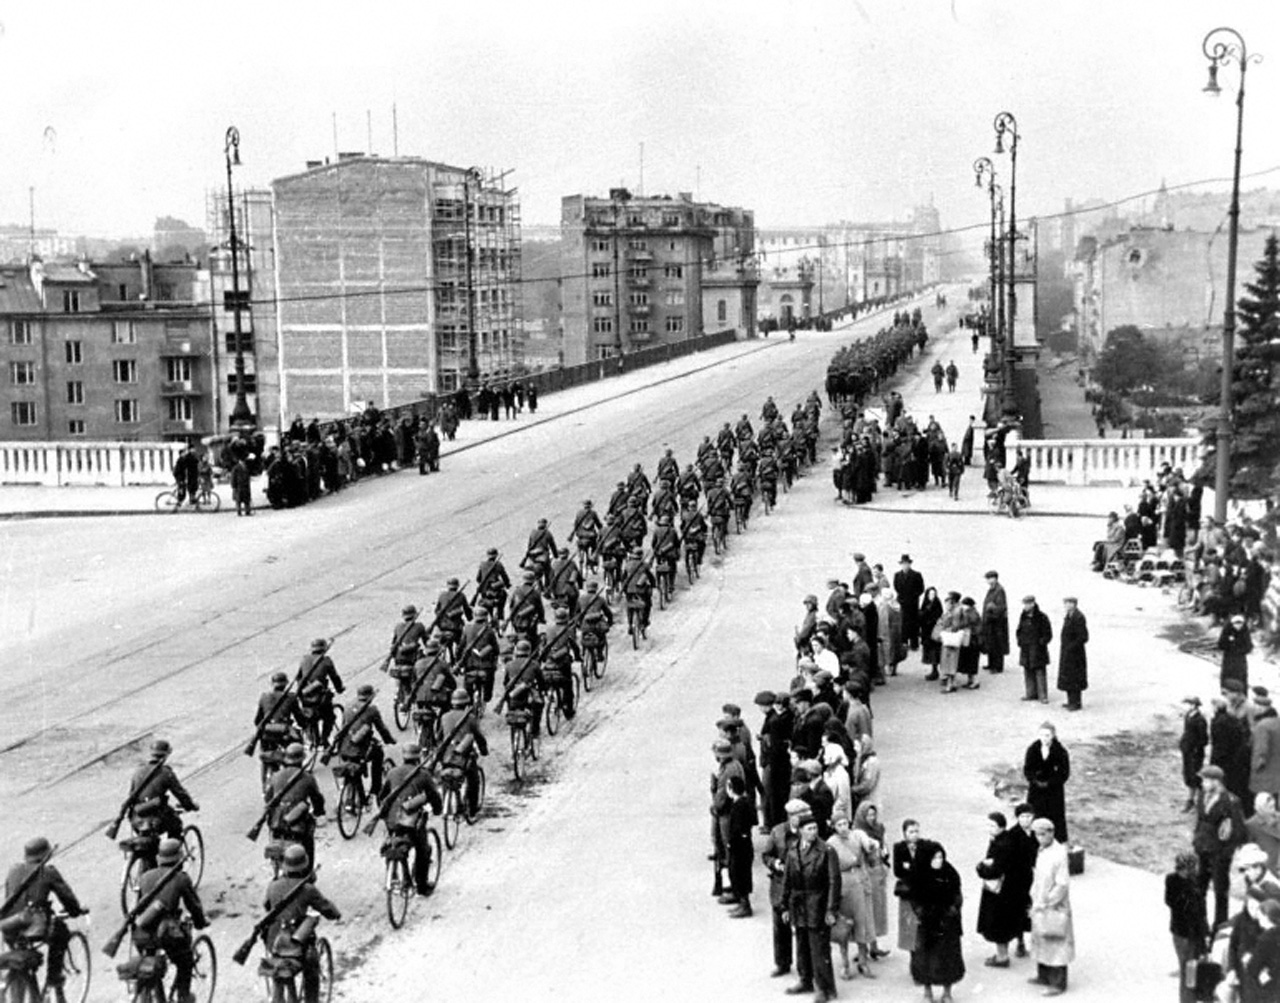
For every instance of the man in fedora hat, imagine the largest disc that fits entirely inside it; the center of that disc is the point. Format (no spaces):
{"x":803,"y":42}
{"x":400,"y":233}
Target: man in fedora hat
{"x":908,"y":586}
{"x":150,"y":787}
{"x":28,"y":887}
{"x":317,"y":681}
{"x":296,"y":870}
{"x":160,"y":927}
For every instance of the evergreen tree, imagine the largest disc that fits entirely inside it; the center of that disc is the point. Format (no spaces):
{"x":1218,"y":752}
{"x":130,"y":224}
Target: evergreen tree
{"x":1255,"y":442}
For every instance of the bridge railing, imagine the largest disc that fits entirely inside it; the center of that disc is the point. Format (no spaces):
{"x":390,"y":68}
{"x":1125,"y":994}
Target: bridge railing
{"x":115,"y":464}
{"x":1083,"y":462}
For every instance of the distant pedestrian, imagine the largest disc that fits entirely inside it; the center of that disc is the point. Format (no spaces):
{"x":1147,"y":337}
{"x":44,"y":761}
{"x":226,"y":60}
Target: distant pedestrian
{"x":1187,"y":923}
{"x":908,"y":585}
{"x":1021,"y":868}
{"x":911,"y":856}
{"x":1235,"y":643}
{"x":1002,"y":906}
{"x":1192,"y":745}
{"x":1073,"y":662}
{"x":1219,"y":830}
{"x":966,"y":442}
{"x":1047,"y":768}
{"x":973,"y":339}
{"x":531,"y":392}
{"x":742,"y":821}
{"x":242,"y":486}
{"x":1229,"y":747}
{"x":930,"y":647}
{"x":937,"y":959}
{"x":1052,"y":934}
{"x":953,"y":374}
{"x":811,"y":891}
{"x":995,"y":623}
{"x":1034,"y":634}
{"x":955,"y":471}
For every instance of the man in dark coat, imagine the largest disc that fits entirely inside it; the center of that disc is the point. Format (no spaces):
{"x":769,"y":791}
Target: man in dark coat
{"x":1219,"y":830}
{"x":782,"y":838}
{"x":1192,"y":744}
{"x":1034,"y":634}
{"x":995,"y":623}
{"x":1229,"y":744}
{"x":1047,"y":768}
{"x":742,"y":820}
{"x":241,"y":487}
{"x":1235,"y":643}
{"x":908,"y":585}
{"x":811,"y":892}
{"x":1073,"y":663}
{"x":775,"y":755}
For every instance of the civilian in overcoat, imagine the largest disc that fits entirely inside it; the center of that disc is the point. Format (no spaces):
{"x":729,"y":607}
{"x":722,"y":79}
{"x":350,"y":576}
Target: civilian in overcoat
{"x":1047,"y":768}
{"x":1073,"y":661}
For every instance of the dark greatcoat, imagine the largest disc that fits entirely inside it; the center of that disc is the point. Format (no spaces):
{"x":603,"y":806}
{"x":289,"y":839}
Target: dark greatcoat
{"x":1194,"y":740}
{"x":1001,"y":914}
{"x":908,"y":585}
{"x":1047,"y":777}
{"x":1034,"y":634}
{"x":811,"y":884}
{"x":1235,"y":645}
{"x":1229,"y":738}
{"x":1073,"y":664}
{"x":995,"y":621}
{"x":937,"y":959}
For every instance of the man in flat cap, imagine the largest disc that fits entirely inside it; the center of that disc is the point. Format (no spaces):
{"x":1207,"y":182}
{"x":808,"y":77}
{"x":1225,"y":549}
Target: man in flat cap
{"x":995,"y":623}
{"x":1034,"y":634}
{"x":1073,"y":662}
{"x":782,"y":837}
{"x":811,"y":893}
{"x":727,"y":765}
{"x":1219,"y":830}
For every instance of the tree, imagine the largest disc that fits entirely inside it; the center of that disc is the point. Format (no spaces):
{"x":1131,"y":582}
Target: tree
{"x":1255,"y":441}
{"x":1128,"y":360}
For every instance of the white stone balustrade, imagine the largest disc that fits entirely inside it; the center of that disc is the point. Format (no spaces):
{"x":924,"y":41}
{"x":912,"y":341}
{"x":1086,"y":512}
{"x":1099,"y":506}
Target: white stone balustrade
{"x":116,"y":464}
{"x":1083,"y":462}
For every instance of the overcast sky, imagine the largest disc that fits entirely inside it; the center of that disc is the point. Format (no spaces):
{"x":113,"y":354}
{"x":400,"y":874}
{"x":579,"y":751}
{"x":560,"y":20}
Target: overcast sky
{"x":806,"y":111}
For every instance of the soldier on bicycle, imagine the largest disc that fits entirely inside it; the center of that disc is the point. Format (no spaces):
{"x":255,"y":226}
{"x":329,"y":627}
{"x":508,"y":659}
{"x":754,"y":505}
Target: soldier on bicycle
{"x":618,"y":500}
{"x":464,"y":743}
{"x":719,"y":505}
{"x":524,"y":686}
{"x":407,"y":816}
{"x":566,"y":580}
{"x":149,"y":789}
{"x":526,"y":613}
{"x":290,"y":935}
{"x":637,"y":585}
{"x":559,"y":651}
{"x":279,"y":710}
{"x":726,"y":444}
{"x":160,"y":927}
{"x":767,"y":473}
{"x":480,"y":643}
{"x":452,"y":613}
{"x":634,"y":527}
{"x":693,"y":531}
{"x":538,"y":553}
{"x":613,"y":551}
{"x":638,"y":487}
{"x":666,"y":547}
{"x":668,"y":467}
{"x":492,"y":583}
{"x":689,"y":487}
{"x":293,"y":819}
{"x":28,"y":888}
{"x":740,"y":489}
{"x":586,"y":531}
{"x":664,"y":501}
{"x":316,"y":674}
{"x":361,"y":734}
{"x":409,"y":632}
{"x":433,"y":678}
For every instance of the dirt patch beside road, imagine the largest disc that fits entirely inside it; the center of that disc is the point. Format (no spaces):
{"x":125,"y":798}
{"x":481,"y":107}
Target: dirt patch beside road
{"x":1124,"y":798}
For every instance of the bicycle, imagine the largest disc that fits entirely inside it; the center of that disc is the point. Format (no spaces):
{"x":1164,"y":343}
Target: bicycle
{"x":282,"y":974}
{"x":740,"y":515}
{"x":1008,"y":499}
{"x":140,"y":855}
{"x":426,"y":718}
{"x":720,"y":534}
{"x":20,"y":968}
{"x":666,"y":583}
{"x":401,"y":708}
{"x":457,"y":807}
{"x":206,"y":499}
{"x":692,"y":562}
{"x":769,"y":494}
{"x":595,"y":656}
{"x":524,"y":747}
{"x":145,"y":973}
{"x":635,"y":620}
{"x":349,"y":776}
{"x":312,"y":741}
{"x":398,"y":883}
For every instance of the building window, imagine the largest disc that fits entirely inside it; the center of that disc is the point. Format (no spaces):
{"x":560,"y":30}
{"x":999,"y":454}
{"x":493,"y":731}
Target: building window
{"x":125,"y":370}
{"x":606,"y":352}
{"x":22,"y":374}
{"x":127,"y":412}
{"x":74,"y":355}
{"x":448,"y":338}
{"x":75,"y":392}
{"x":635,"y":219}
{"x":123,"y":290}
{"x":638,"y":245}
{"x":71,"y":301}
{"x":599,"y":245}
{"x":448,"y":380}
{"x":601,"y":270}
{"x":671,"y":245}
{"x":23,"y":412}
{"x":75,"y":426}
{"x":675,"y":297}
{"x":673,"y":271}
{"x":638,"y":299}
{"x":179,"y":408}
{"x":639,"y":273}
{"x":722,"y":310}
{"x":601,"y":299}
{"x":671,"y":219}
{"x":20,"y":332}
{"x":640,"y":325}
{"x":602,"y":325}
{"x":675,"y":325}
{"x":250,"y":383}
{"x":122,"y":333}
{"x":177,"y":370}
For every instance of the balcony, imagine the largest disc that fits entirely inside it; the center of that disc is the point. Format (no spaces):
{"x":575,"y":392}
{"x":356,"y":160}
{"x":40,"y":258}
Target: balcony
{"x":640,"y":337}
{"x":640,"y":254}
{"x":636,"y":281}
{"x":178,"y":388}
{"x":639,"y":309}
{"x":171,"y":426}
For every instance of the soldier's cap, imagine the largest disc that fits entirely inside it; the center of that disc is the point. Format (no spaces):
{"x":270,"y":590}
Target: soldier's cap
{"x":321,"y":645}
{"x":728,"y":723}
{"x":528,"y":576}
{"x":452,"y":583}
{"x":492,"y":551}
{"x":169,"y":852}
{"x":365,"y":692}
{"x":811,"y":600}
{"x":541,"y":523}
{"x":36,"y":850}
{"x":296,"y":862}
{"x":806,"y":818}
{"x":294,"y":753}
{"x":411,"y":753}
{"x":279,"y":680}
{"x":160,"y":748}
{"x":859,"y":557}
{"x":1211,"y":773}
{"x":765,"y":698}
{"x":410,"y":610}
{"x":721,"y":747}
{"x":586,"y":503}
{"x":460,"y":698}
{"x":796,"y":807}
{"x":482,"y":613}
{"x":523,"y":647}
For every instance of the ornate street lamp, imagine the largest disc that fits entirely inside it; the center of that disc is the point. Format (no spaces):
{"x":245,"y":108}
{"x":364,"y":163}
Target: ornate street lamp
{"x":984,"y":166}
{"x":1220,"y":46}
{"x":242,"y":418}
{"x":1006,"y":124}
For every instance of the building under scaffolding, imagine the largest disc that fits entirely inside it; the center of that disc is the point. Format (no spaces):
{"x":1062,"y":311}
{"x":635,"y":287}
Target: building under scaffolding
{"x":397,"y":277}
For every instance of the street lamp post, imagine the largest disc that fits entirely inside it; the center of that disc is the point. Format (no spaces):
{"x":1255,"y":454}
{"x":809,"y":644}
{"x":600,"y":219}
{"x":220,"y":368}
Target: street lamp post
{"x":1002,"y":324}
{"x":1004,"y":124}
{"x":1219,"y":46}
{"x":242,"y":418}
{"x":981,"y":166}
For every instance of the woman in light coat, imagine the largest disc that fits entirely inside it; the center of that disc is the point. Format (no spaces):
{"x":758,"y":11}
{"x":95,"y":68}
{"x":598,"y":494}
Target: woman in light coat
{"x":1052,"y":937}
{"x":835,"y":773}
{"x":856,"y":920}
{"x":953,"y":621}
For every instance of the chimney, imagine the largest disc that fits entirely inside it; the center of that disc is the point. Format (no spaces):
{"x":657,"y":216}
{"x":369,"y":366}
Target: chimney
{"x":145,"y":274}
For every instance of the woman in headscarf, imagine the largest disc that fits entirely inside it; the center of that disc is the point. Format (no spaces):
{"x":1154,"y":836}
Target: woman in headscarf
{"x":854,"y":850}
{"x":930,"y":647}
{"x":835,"y":772}
{"x":866,"y":820}
{"x":937,"y":960}
{"x":1002,"y":907}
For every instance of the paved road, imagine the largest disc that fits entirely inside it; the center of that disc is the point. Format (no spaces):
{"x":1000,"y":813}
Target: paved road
{"x":160,"y":633}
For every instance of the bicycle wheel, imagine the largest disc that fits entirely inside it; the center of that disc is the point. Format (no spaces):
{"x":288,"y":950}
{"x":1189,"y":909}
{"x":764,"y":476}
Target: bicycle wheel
{"x":325,"y":953}
{"x":77,"y":968}
{"x":450,"y":820}
{"x":995,"y":503}
{"x":601,"y":658}
{"x":401,"y":712}
{"x":633,"y":627}
{"x":588,"y":656}
{"x":204,"y":976}
{"x":437,"y":857}
{"x":1015,"y":507}
{"x":518,"y":751}
{"x":167,"y":501}
{"x":662,"y":590}
{"x":554,"y":713}
{"x":350,"y":808}
{"x":129,"y":884}
{"x":399,"y":889}
{"x":193,"y":844}
{"x":471,"y":811}
{"x":208,"y":501}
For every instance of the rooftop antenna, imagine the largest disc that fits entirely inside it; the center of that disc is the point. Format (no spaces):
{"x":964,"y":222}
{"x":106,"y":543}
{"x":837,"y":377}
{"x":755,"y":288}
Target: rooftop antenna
{"x":368,"y":126}
{"x":395,"y":132}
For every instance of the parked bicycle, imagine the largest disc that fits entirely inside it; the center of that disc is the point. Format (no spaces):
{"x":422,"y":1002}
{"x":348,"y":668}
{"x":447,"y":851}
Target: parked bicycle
{"x":206,"y":499}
